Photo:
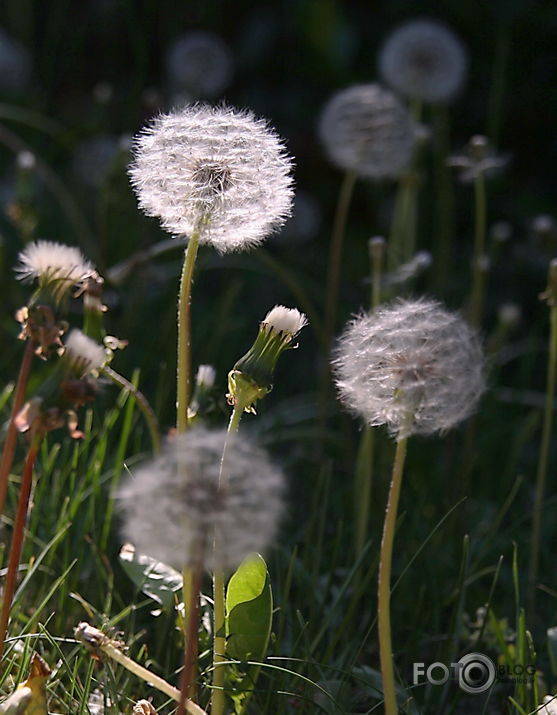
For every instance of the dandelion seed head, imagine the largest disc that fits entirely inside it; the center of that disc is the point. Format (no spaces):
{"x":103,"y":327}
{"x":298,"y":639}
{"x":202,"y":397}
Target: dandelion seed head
{"x":367,"y":129}
{"x":15,"y":64}
{"x":288,"y":321}
{"x":424,"y":59}
{"x":201,"y":63}
{"x":549,"y":706}
{"x":215,"y":170}
{"x":51,"y":262}
{"x":84,"y":353}
{"x":206,"y":375}
{"x":410,"y":358}
{"x":173,"y":507}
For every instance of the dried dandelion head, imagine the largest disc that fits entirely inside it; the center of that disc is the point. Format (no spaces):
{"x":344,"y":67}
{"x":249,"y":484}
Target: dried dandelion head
{"x":54,"y":266}
{"x":367,"y":129}
{"x":214,"y":171}
{"x":411,"y":365}
{"x":199,"y":62}
{"x":176,"y":506}
{"x":424,"y":59}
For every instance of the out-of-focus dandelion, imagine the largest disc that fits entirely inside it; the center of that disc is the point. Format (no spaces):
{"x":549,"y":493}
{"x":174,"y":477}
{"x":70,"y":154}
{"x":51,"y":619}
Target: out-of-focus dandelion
{"x":478,"y":159}
{"x":425,"y":60}
{"x":411,"y":365}
{"x":15,"y":64}
{"x":174,"y":507}
{"x":201,"y":399}
{"x":500,"y":231}
{"x":94,"y":157}
{"x":200,"y":63}
{"x":366,"y":129}
{"x":417,"y":368}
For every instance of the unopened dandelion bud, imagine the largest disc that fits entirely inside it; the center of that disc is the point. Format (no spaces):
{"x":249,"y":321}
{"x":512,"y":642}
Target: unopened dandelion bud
{"x":251,"y":378}
{"x":175,"y":507}
{"x":204,"y":382}
{"x":411,"y":365}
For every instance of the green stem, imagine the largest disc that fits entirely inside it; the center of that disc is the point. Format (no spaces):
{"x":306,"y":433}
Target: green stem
{"x":478,"y":270}
{"x":219,"y":615}
{"x":335,"y":253}
{"x":8,"y":451}
{"x":543,"y":460}
{"x":192,"y":587}
{"x":143,"y":404}
{"x":384,"y":586}
{"x":18,"y":536}
{"x":183,"y":395}
{"x":444,"y":203}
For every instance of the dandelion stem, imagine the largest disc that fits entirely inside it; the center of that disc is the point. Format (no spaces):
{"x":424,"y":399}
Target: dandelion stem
{"x":184,"y":335}
{"x":193,"y":580}
{"x":142,"y":402}
{"x":219,"y":614}
{"x":543,"y":460}
{"x":384,"y":587}
{"x":478,"y":269}
{"x":11,"y":435}
{"x":18,"y":535}
{"x":444,"y":199}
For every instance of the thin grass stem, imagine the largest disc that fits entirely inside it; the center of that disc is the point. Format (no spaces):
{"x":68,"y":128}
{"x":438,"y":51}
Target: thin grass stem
{"x":478,"y":267}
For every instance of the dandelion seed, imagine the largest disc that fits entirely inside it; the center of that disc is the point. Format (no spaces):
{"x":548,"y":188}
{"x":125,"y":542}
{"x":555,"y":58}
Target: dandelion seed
{"x":199,"y":62}
{"x":215,"y":171}
{"x":424,"y":59}
{"x":367,"y":129}
{"x":410,"y":358}
{"x":173,"y":507}
{"x":55,"y":266}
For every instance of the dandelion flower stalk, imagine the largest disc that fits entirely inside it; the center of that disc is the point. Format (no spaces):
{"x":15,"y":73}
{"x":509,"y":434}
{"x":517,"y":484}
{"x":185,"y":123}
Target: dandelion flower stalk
{"x":18,"y":535}
{"x":543,"y":458}
{"x":478,"y":266}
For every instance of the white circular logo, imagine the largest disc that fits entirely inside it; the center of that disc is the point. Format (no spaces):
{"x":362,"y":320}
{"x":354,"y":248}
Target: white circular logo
{"x":476,"y":673}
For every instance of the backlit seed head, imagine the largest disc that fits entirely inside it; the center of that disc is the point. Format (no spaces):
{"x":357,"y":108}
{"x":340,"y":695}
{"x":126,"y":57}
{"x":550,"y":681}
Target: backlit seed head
{"x":200,"y":63}
{"x":55,"y":266}
{"x":176,"y":506}
{"x":411,"y":365}
{"x":214,"y":171}
{"x":367,"y":129}
{"x":83,"y":354}
{"x":424,"y":59}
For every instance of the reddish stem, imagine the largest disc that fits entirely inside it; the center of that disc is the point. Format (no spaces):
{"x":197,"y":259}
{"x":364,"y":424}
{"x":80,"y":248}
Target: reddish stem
{"x":190,"y":651}
{"x":18,"y":536}
{"x":11,"y":435}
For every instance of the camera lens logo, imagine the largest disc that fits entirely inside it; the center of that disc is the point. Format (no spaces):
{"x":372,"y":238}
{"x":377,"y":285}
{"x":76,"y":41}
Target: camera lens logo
{"x":476,"y":673}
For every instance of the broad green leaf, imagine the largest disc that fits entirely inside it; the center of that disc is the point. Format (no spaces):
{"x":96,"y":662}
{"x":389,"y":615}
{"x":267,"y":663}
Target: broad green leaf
{"x":157,"y":580}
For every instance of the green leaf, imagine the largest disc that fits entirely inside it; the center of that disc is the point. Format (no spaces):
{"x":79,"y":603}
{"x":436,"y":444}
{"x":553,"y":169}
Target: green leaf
{"x":249,"y":607}
{"x":157,"y":580}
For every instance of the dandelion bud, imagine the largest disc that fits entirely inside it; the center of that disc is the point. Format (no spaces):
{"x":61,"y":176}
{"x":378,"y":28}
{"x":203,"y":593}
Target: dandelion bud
{"x":56,"y":268}
{"x":251,"y":378}
{"x":82,"y":355}
{"x":411,"y":365}
{"x":174,"y":507}
{"x":424,"y":59}
{"x":204,"y":381}
{"x":367,"y":129}
{"x":215,"y":172}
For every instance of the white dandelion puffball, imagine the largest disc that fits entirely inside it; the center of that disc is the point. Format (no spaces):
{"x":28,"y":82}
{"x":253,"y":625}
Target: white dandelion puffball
{"x":368,"y":130}
{"x":424,"y":59}
{"x":411,"y":365}
{"x":549,"y":706}
{"x":15,"y":64}
{"x":286,"y":321}
{"x":199,"y":62}
{"x":83,"y":353}
{"x":53,"y":262}
{"x":173,"y":508}
{"x":217,"y":171}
